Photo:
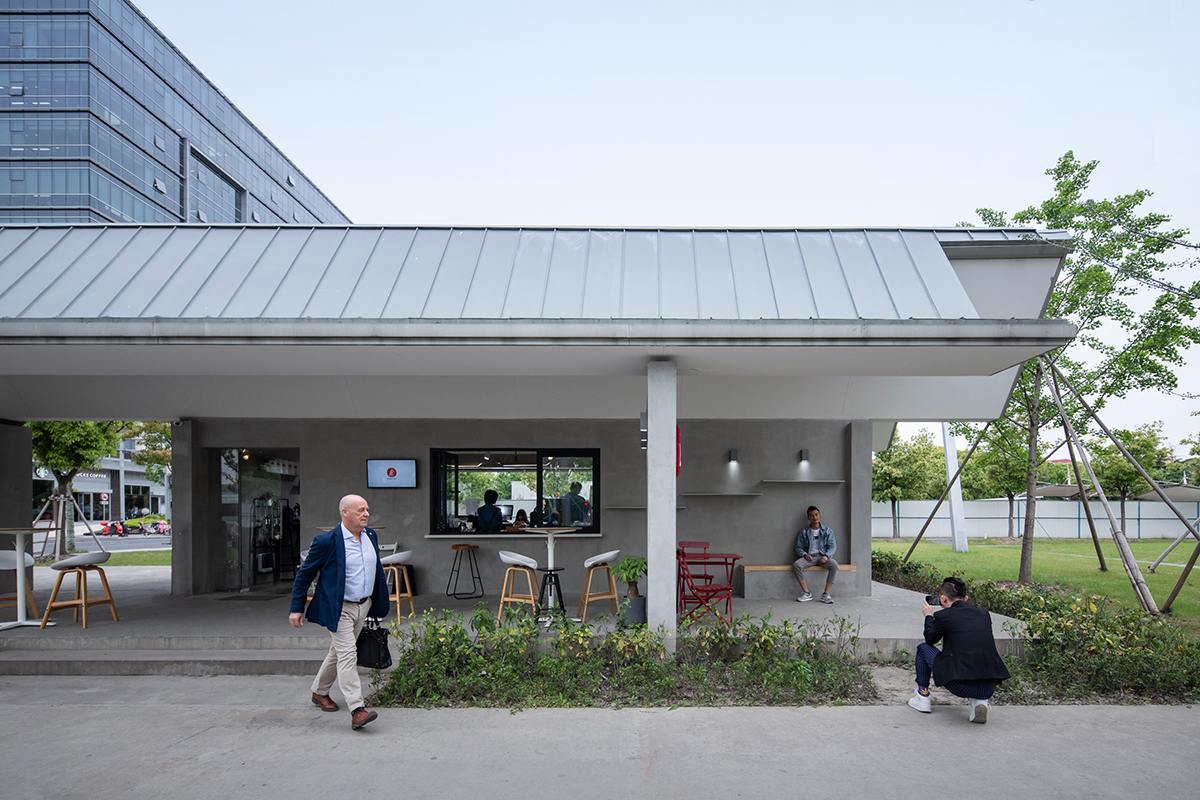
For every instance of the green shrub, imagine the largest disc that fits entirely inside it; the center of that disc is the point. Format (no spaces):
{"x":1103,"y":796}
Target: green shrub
{"x":913,"y":575}
{"x":518,"y":663}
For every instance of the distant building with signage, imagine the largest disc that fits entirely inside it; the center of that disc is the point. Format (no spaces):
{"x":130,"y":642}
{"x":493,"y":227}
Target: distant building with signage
{"x":96,"y":490}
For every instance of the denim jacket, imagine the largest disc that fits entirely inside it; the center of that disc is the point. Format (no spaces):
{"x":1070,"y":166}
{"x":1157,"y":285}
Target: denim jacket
{"x":826,"y":544}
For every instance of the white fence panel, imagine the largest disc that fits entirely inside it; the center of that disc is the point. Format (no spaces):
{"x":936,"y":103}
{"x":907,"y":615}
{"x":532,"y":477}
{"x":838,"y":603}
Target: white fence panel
{"x":1056,"y":519}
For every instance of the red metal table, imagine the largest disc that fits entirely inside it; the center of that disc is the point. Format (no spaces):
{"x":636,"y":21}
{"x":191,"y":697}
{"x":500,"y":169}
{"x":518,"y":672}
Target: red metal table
{"x":702,"y":597}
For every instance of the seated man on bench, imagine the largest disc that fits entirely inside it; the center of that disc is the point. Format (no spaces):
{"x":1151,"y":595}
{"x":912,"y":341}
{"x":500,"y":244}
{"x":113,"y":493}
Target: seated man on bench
{"x":815,"y":546}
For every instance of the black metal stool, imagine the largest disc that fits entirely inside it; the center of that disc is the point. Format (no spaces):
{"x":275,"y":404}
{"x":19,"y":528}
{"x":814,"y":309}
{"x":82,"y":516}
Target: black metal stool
{"x":550,"y":581}
{"x":456,"y":570}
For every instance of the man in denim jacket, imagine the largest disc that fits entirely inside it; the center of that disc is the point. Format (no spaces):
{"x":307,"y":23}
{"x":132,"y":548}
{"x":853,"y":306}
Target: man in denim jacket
{"x":815,"y":546}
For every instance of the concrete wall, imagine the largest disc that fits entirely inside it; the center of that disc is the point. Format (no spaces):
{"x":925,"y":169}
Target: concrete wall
{"x":1056,"y":519}
{"x":16,"y":492}
{"x":761,"y":527}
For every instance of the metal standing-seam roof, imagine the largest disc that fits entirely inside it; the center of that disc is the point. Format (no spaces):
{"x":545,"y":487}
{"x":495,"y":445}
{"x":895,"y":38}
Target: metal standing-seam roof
{"x":365,"y":272}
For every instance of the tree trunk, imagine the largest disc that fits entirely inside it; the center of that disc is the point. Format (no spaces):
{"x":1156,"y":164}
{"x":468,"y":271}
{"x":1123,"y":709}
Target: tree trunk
{"x":1012,"y":514}
{"x":1025,"y":574}
{"x":69,"y":514}
{"x":1124,"y":529}
{"x":895,"y":519}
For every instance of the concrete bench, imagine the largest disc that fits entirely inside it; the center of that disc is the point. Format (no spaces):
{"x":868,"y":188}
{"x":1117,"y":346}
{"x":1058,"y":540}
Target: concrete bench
{"x":764,"y":581}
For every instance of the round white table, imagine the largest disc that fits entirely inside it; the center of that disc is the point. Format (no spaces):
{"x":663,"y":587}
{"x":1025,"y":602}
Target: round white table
{"x":19,"y":546}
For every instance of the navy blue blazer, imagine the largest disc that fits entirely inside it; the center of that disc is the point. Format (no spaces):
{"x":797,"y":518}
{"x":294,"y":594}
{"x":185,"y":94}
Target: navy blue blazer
{"x":327,"y":558}
{"x":968,"y":649}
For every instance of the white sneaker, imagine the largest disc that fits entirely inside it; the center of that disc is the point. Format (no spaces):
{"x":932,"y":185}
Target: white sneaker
{"x":827,"y":598}
{"x":921,"y":702}
{"x":804,"y":598}
{"x":979,"y":710}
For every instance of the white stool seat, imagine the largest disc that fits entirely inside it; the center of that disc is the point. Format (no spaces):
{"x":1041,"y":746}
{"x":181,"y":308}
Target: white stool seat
{"x":603,"y":558}
{"x":517,"y":560}
{"x":396,"y":558}
{"x":81,"y":560}
{"x":8,"y":559}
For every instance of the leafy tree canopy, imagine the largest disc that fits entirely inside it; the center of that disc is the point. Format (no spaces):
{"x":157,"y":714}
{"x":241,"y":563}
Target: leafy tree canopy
{"x":155,"y":452}
{"x":65,"y":448}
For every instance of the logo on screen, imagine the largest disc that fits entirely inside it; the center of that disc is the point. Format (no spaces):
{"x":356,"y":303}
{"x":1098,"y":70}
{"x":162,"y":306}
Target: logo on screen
{"x":391,"y":472}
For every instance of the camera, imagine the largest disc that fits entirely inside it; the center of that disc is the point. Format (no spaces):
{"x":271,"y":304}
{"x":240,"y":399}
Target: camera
{"x":933,"y":599}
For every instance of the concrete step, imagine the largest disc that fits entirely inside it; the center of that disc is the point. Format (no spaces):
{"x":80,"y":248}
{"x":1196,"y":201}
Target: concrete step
{"x":179,"y":662}
{"x":83,"y":643}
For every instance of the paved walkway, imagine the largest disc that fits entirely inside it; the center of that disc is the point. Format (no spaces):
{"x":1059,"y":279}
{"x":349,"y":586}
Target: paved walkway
{"x":154,"y":737}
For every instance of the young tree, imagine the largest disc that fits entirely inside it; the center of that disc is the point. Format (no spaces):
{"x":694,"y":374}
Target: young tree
{"x":65,"y":448}
{"x":1116,"y":475}
{"x":912,"y":470}
{"x":1118,"y":253}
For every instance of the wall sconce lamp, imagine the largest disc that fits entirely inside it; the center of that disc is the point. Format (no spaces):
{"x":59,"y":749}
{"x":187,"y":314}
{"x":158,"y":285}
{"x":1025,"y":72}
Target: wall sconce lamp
{"x":804,"y":455}
{"x":645,"y":423}
{"x":733,"y":456}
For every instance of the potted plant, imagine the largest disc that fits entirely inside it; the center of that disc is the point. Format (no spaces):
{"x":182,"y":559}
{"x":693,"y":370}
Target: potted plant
{"x":630,"y":570}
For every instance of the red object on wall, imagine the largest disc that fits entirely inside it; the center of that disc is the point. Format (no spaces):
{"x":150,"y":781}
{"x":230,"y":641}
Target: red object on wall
{"x":678,"y":450}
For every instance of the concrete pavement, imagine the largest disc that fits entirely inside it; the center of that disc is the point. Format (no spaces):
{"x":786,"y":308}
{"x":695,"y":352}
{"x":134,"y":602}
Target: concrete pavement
{"x":259,"y":736}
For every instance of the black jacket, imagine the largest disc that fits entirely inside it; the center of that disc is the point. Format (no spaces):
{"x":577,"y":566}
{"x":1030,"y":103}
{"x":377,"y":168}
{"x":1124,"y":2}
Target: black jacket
{"x":969,"y":650}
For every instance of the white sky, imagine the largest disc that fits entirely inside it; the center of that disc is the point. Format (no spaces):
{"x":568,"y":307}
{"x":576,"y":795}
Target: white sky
{"x":716,"y":114}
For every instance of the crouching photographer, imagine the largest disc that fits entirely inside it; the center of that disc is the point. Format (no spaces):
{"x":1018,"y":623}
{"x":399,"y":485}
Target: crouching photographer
{"x":967,"y":665}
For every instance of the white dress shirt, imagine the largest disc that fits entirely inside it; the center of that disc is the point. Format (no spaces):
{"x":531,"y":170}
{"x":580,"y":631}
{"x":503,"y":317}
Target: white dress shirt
{"x":360,"y":565}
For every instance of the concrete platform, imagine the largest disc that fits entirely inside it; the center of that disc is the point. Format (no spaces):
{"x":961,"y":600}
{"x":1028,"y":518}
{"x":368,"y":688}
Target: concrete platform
{"x":248,"y":634}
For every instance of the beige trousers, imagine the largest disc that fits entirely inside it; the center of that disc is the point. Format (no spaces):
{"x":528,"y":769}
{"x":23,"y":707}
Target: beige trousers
{"x":341,"y":662}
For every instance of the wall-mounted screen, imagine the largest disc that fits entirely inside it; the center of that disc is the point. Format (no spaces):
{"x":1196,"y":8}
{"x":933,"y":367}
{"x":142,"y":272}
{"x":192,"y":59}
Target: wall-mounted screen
{"x":391,"y":473}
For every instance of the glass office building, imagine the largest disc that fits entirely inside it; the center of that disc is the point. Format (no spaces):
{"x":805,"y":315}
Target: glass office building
{"x":102,"y":119}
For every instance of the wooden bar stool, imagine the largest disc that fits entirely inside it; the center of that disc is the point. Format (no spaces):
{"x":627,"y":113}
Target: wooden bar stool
{"x":80,"y":565}
{"x":8,"y":563}
{"x":395,"y":566}
{"x":518,"y":565}
{"x":593,"y":565}
{"x":456,"y":571}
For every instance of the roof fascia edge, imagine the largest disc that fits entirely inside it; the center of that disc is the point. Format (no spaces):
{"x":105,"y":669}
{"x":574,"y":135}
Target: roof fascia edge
{"x":700,"y":333}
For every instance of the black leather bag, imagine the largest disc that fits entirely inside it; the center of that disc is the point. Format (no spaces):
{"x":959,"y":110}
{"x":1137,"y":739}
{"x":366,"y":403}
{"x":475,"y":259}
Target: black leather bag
{"x":372,"y":645}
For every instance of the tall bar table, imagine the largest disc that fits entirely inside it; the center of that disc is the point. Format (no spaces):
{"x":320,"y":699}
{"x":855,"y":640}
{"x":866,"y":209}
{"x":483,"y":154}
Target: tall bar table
{"x":19,"y":546}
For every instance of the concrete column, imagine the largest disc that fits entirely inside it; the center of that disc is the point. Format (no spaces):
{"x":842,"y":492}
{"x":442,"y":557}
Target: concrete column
{"x":858,"y":483}
{"x":197,"y":549}
{"x":16,"y":492}
{"x":958,"y":516}
{"x":662,"y":418}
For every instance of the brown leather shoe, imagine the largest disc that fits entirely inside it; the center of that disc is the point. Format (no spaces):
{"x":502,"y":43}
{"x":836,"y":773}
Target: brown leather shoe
{"x":324,"y":701}
{"x":360,"y":717}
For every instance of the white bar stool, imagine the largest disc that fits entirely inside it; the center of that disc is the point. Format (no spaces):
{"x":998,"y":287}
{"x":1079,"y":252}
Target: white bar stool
{"x":592,"y":565}
{"x":8,"y":563}
{"x":518,"y":565}
{"x":395,"y":566}
{"x":81,"y":565}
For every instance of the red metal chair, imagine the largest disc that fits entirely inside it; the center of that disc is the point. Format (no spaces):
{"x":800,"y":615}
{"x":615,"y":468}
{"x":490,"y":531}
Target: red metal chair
{"x":681,"y":600}
{"x":703,"y":597}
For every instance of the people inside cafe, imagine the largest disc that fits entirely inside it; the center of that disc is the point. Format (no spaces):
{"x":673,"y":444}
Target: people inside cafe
{"x":489,"y":517}
{"x":575,"y":507}
{"x":521,"y":520}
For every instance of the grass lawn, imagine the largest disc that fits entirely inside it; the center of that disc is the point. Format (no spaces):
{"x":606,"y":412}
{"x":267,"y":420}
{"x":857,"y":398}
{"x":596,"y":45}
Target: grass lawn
{"x":1071,"y":562}
{"x":140,"y":558}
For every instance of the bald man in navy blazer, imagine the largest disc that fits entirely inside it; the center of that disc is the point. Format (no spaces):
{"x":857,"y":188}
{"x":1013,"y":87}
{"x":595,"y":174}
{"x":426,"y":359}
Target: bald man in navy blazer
{"x":352,"y":587}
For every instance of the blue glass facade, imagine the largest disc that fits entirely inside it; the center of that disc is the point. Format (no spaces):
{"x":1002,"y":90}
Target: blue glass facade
{"x":103,"y":120}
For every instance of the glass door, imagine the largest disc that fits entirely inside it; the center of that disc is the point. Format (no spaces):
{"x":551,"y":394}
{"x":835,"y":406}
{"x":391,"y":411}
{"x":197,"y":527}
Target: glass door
{"x":260,"y":513}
